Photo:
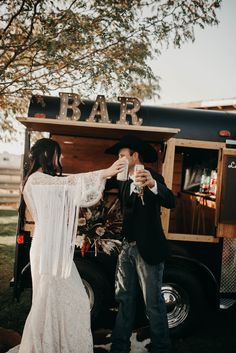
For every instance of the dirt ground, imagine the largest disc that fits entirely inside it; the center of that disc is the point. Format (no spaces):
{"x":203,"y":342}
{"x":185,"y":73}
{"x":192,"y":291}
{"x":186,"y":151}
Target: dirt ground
{"x":215,"y":334}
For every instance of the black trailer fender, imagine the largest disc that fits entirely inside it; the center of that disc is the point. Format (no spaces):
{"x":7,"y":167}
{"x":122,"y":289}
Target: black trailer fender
{"x":97,"y":287}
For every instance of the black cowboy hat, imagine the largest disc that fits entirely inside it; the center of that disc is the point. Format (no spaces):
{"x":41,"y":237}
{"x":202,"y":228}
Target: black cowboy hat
{"x":147,"y":152}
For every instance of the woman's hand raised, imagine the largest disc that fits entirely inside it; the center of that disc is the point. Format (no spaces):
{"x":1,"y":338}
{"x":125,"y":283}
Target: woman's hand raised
{"x":117,"y":167}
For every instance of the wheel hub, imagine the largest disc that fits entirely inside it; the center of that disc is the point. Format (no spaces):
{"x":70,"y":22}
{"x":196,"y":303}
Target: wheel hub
{"x":177,"y":304}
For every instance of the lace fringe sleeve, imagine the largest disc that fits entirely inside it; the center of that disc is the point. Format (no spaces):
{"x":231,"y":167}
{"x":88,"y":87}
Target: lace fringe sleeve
{"x":89,"y":187}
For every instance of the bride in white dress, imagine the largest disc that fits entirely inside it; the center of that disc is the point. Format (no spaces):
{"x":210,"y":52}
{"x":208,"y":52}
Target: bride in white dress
{"x":59,"y":319}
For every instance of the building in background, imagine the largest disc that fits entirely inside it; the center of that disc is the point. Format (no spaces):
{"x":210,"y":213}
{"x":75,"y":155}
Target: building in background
{"x":226,"y":104}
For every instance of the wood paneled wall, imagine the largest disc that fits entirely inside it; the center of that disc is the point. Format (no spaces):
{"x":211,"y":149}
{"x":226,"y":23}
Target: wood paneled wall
{"x":82,"y":154}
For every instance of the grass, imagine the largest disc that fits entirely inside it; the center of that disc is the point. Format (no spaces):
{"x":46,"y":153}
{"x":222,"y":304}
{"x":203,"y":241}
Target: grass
{"x":12,"y":314}
{"x":6,"y":264}
{"x":8,"y":229}
{"x":8,"y":213}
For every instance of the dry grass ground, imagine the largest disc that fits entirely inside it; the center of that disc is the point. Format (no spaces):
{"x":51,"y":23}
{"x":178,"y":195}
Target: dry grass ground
{"x":12,"y":314}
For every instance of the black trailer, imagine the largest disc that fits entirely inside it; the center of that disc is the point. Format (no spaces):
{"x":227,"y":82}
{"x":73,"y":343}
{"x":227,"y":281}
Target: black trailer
{"x":197,"y":157}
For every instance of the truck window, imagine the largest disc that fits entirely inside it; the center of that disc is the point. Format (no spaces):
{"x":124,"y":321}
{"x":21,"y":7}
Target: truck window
{"x":195,"y":187}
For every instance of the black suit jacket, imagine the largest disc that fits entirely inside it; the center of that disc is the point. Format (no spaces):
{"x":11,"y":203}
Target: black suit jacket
{"x":143,"y":223}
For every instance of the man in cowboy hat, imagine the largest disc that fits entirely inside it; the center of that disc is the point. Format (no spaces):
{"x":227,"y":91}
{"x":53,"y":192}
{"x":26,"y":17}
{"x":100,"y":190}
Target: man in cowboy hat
{"x":141,"y":260}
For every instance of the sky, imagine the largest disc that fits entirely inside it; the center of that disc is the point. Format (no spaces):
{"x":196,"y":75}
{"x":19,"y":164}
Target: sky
{"x":203,"y":70}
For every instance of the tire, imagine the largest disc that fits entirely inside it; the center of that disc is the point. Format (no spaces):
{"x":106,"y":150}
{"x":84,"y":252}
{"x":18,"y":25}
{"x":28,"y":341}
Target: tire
{"x":97,"y":288}
{"x":185,"y":301}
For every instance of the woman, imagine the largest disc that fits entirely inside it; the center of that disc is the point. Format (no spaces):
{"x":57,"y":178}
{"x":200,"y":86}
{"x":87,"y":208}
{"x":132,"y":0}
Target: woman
{"x":59,"y":319}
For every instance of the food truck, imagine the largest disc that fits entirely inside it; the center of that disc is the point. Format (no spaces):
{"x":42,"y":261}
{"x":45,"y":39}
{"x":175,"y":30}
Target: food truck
{"x":197,"y":158}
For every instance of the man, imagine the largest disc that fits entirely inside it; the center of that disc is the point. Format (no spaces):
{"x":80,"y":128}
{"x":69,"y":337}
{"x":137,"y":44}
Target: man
{"x":141,"y":261}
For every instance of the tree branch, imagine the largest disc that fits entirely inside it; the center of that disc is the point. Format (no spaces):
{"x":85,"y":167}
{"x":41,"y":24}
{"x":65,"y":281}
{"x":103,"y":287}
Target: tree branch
{"x":14,"y":16}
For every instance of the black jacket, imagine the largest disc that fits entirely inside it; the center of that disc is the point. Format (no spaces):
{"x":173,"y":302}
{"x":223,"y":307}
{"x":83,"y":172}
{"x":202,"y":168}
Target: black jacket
{"x":143,"y":223}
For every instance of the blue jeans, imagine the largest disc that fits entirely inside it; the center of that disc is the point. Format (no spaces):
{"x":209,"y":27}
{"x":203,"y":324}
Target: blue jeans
{"x":132,"y":271}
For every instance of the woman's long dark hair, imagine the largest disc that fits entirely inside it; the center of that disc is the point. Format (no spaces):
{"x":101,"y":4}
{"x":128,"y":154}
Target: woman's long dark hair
{"x":45,"y":154}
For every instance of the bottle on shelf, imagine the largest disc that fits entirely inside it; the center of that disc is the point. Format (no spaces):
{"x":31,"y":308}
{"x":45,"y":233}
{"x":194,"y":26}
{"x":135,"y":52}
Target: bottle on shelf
{"x":213,"y":183}
{"x":205,"y":182}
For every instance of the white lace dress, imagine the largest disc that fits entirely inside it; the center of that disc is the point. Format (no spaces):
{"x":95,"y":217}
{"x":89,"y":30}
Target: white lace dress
{"x":59,"y":319}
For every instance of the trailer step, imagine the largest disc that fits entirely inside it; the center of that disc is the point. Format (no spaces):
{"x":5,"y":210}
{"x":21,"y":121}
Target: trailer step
{"x":226,"y":303}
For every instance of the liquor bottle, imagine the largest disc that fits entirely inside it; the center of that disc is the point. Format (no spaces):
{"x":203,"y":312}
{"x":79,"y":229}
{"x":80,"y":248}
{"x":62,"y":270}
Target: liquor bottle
{"x":205,"y":182}
{"x":213,"y":183}
{"x":202,"y":182}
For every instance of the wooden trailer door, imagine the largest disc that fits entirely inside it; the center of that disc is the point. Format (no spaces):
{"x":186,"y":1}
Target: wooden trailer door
{"x":226,"y":196}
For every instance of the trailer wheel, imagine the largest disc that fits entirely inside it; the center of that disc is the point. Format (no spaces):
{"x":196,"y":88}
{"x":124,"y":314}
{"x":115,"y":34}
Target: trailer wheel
{"x":185,"y":302}
{"x":96,"y":286}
